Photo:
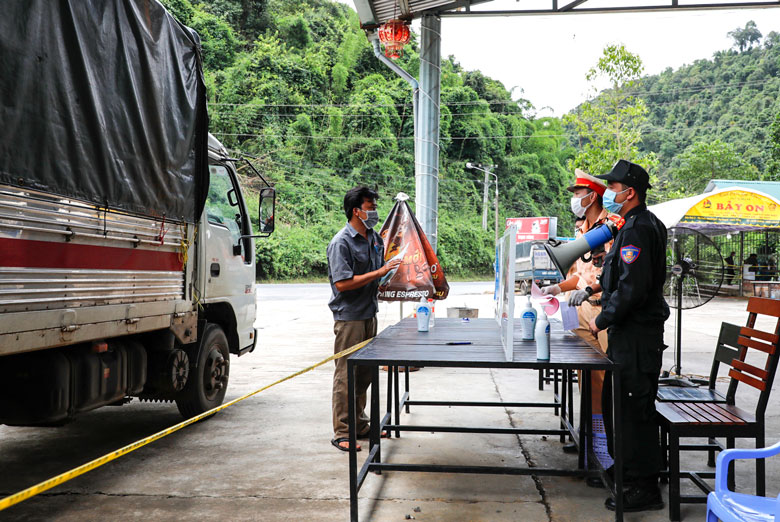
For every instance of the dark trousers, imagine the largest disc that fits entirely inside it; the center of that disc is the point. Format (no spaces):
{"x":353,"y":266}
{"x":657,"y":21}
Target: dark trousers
{"x":639,"y":352}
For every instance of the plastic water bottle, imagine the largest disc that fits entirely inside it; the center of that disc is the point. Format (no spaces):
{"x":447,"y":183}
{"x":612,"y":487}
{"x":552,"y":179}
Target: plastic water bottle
{"x":432,"y":304}
{"x":528,"y":321}
{"x":423,"y":315}
{"x":543,"y":338}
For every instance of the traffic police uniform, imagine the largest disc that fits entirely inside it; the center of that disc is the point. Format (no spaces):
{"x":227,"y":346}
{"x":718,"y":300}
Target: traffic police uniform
{"x":634,"y":312}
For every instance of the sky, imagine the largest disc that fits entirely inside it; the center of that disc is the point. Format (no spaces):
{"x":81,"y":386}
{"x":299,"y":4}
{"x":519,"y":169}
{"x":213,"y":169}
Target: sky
{"x":548,"y":56}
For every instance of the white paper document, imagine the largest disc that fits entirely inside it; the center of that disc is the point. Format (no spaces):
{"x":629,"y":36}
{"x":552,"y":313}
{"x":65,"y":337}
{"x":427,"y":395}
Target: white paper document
{"x":569,"y":316}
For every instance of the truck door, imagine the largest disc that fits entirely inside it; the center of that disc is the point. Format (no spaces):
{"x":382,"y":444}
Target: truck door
{"x":228,"y":265}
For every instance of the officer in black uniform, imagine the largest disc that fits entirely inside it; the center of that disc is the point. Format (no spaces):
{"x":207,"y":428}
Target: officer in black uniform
{"x":634,"y":311}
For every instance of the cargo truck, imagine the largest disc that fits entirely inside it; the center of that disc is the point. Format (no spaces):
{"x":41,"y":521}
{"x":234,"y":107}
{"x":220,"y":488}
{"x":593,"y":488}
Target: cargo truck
{"x":533,"y":265}
{"x":127,"y":265}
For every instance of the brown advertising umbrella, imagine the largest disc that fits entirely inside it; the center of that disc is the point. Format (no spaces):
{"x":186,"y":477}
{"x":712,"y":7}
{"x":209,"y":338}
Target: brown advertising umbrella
{"x":420,"y":274}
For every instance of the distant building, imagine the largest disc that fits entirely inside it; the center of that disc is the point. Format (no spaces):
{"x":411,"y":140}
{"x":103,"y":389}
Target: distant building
{"x":739,"y":216}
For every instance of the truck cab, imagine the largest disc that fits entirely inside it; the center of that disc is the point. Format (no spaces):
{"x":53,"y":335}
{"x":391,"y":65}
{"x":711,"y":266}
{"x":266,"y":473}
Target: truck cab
{"x":225,"y":279}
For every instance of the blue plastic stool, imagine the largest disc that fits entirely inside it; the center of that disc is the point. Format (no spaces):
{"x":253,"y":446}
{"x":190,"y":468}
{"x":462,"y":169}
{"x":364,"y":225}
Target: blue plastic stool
{"x":728,"y":506}
{"x":600,"y":441}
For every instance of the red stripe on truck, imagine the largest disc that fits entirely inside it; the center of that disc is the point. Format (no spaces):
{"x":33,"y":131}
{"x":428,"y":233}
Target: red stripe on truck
{"x":27,"y":253}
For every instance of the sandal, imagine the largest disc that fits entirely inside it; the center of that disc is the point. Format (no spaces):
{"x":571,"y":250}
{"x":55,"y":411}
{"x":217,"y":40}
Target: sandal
{"x":337,"y":443}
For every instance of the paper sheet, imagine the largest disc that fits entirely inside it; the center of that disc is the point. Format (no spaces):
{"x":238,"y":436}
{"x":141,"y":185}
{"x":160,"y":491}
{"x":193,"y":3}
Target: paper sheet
{"x":569,"y":316}
{"x":548,"y":303}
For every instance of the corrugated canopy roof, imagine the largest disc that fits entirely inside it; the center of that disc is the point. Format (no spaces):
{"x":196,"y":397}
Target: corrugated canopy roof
{"x":376,"y":12}
{"x":373,"y":13}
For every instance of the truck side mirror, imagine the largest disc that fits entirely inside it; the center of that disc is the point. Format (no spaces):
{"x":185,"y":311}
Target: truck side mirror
{"x":267,"y":208}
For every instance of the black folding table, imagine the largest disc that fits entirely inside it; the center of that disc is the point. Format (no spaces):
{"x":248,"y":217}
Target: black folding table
{"x":401,"y":345}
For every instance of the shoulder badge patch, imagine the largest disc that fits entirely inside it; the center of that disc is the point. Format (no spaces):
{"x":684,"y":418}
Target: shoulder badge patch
{"x":629,"y":253}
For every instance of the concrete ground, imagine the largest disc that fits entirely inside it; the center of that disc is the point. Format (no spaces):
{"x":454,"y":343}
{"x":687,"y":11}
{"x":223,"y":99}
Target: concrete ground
{"x":269,"y":458}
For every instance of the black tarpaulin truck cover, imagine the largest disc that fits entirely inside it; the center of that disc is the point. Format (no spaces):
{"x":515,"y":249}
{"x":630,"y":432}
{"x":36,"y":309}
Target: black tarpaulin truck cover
{"x":104,"y":101}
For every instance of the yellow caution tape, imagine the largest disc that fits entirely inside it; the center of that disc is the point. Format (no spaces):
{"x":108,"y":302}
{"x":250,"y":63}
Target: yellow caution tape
{"x":105,"y":459}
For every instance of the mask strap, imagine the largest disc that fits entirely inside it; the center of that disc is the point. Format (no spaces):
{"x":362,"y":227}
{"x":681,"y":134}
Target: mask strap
{"x":591,"y":201}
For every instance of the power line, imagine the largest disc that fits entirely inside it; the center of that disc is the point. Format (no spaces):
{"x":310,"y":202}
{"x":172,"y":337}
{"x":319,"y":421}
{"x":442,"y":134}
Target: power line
{"x":641,"y":129}
{"x":702,"y":87}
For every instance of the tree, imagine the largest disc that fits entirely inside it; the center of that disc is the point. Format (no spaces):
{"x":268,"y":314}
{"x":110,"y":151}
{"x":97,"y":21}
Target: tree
{"x":704,"y":161}
{"x":772,"y":39}
{"x":609,"y":125}
{"x":218,"y":40}
{"x":744,"y":38}
{"x":773,"y":166}
{"x":249,"y":17}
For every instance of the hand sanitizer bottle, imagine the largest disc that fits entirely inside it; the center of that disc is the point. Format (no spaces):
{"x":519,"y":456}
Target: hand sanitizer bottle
{"x":423,"y":315}
{"x":432,"y":304}
{"x":543,"y":338}
{"x":528,"y":320}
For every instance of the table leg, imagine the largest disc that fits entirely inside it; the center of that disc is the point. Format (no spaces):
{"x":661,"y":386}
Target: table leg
{"x":406,"y":379}
{"x":618,"y":456}
{"x":572,"y":373}
{"x":564,"y":415}
{"x":397,"y":398}
{"x":390,"y":394}
{"x":556,"y":394}
{"x":375,"y":434}
{"x":353,"y":488}
{"x":586,"y":421}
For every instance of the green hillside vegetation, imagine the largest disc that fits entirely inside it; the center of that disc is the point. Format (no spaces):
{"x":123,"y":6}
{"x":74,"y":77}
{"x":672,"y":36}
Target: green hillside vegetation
{"x":295,"y":84}
{"x":715,"y":118}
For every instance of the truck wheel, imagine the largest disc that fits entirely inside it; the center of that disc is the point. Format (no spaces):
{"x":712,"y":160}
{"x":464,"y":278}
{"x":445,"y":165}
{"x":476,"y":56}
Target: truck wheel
{"x":208,"y":380}
{"x":524,"y":288}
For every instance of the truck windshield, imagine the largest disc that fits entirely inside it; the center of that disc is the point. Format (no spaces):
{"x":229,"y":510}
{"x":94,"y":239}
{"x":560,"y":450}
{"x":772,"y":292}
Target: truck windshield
{"x":219,"y":209}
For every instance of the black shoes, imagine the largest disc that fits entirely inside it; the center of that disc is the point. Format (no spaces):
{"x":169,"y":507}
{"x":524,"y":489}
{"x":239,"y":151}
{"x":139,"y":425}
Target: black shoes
{"x":641,"y":496}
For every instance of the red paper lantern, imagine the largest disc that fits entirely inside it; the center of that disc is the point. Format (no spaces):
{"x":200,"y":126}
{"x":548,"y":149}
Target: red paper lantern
{"x":394,"y":35}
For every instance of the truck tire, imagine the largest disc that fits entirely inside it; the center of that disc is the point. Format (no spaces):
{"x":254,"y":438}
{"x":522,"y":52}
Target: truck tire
{"x":524,"y":288}
{"x":208,"y":379}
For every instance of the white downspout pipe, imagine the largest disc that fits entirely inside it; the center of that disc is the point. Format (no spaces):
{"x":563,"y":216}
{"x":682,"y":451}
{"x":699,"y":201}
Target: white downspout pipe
{"x":374,"y":38}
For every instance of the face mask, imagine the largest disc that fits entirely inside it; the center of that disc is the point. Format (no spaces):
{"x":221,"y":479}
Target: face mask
{"x":576,"y":205}
{"x":609,"y":201}
{"x":372,"y":218}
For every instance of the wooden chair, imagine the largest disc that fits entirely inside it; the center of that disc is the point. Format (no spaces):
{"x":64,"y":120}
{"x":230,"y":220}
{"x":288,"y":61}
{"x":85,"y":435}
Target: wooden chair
{"x":726,"y":350}
{"x":713,"y":419}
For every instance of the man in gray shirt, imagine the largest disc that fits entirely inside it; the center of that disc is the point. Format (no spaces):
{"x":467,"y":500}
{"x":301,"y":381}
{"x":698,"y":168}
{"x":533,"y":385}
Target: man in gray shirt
{"x":356,"y":262}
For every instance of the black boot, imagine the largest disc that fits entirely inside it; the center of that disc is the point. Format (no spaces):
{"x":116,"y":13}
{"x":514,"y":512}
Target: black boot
{"x":643,"y":495}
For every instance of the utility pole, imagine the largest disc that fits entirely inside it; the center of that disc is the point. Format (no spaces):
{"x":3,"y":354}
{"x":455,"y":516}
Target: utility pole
{"x":487,"y":172}
{"x":496,"y":205}
{"x":485,"y":200}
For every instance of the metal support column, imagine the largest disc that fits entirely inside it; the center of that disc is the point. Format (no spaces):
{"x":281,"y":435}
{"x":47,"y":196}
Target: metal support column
{"x":426,"y":171}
